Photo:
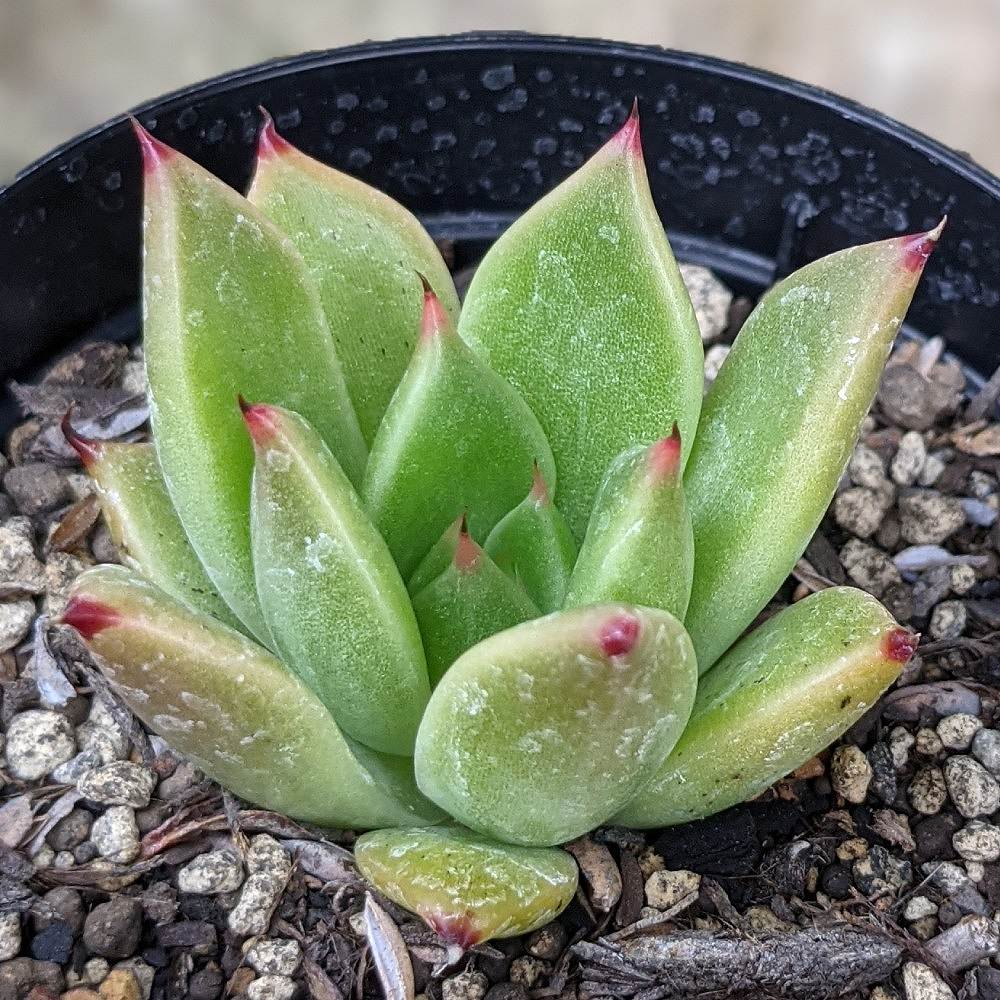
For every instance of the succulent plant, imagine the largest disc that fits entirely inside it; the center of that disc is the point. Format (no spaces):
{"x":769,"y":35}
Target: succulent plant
{"x":389,"y":561}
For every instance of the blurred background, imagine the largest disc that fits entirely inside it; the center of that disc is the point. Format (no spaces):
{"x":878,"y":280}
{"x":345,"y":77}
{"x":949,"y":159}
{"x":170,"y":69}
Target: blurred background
{"x":68,"y":64}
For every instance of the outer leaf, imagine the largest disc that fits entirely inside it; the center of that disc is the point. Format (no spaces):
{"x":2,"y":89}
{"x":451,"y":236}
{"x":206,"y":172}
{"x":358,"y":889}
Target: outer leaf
{"x":228,"y":308}
{"x":776,"y":699}
{"x":544,"y":731}
{"x":534,"y":545}
{"x":455,"y":438}
{"x":363,"y":251}
{"x":143,"y":523}
{"x":466,"y":887}
{"x":331,"y":595}
{"x":779,"y":424}
{"x":580,"y":305}
{"x":470,"y":601}
{"x":234,"y":709}
{"x":639,"y":546}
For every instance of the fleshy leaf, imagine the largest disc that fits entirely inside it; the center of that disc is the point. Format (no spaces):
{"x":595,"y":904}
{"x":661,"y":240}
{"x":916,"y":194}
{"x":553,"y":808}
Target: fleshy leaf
{"x":777,"y":698}
{"x":143,"y":523}
{"x":580,"y":305}
{"x":543,"y":732}
{"x":470,"y":601}
{"x":533,"y":544}
{"x":639,"y":547}
{"x":439,"y":558}
{"x":234,"y":709}
{"x":467,"y":887}
{"x":330,"y":592}
{"x":456,"y":438}
{"x":780,"y":422}
{"x":228,"y":307}
{"x":363,"y":250}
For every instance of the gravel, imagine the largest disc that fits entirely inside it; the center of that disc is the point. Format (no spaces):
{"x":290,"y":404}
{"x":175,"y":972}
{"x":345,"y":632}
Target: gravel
{"x":116,"y":835}
{"x":112,"y":929}
{"x":119,"y":783}
{"x":213,"y":872}
{"x":972,"y":788}
{"x":275,"y":956}
{"x":37,"y":742}
{"x":850,"y":773}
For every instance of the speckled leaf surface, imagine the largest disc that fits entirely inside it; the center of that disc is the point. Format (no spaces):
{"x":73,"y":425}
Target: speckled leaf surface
{"x":541,"y":733}
{"x":534,"y":545}
{"x":471,"y":600}
{"x":779,"y":424}
{"x":143,"y":523}
{"x":364,"y":252}
{"x":774,"y":700}
{"x":467,"y":887}
{"x":438,"y":558}
{"x":581,"y":306}
{"x":455,"y":439}
{"x":234,"y":709}
{"x":228,"y":308}
{"x":330,"y":592}
{"x":639,"y":546}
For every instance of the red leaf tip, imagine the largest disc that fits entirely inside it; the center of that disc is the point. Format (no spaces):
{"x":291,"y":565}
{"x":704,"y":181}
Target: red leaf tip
{"x":459,"y":929}
{"x":917,"y":248}
{"x":628,"y":137}
{"x":467,"y":552}
{"x":155,"y":153}
{"x":665,"y":456}
{"x":89,"y":449}
{"x":89,"y":617}
{"x":434,"y":319}
{"x":539,"y":488}
{"x":261,"y":420}
{"x":900,"y":644}
{"x":619,"y":635}
{"x":270,"y":145}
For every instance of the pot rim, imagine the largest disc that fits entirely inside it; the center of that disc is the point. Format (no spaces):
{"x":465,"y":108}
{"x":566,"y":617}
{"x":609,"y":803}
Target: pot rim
{"x":522,"y":41}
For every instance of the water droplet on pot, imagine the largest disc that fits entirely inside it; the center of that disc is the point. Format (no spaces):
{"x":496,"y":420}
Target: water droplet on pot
{"x":387,"y":133}
{"x":215,"y":132}
{"x":418,"y":125}
{"x":543,"y":74}
{"x":336,"y":126}
{"x":442,"y":141}
{"x":570,"y":125}
{"x":513,"y":101}
{"x":347,"y":102}
{"x":545,"y":145}
{"x":288,"y":119}
{"x":483,"y":148}
{"x":497,"y":77}
{"x":748,"y":118}
{"x":437,"y":102}
{"x":704,"y":113}
{"x":75,"y":170}
{"x":187,"y":118}
{"x":358,"y":158}
{"x":377,"y":104}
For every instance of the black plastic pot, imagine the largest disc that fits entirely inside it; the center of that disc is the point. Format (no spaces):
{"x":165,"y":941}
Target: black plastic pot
{"x":754,"y":174}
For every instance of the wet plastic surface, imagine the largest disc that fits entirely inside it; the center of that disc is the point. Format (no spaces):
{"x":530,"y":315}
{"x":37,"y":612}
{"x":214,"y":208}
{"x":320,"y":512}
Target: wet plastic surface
{"x":753,"y":174}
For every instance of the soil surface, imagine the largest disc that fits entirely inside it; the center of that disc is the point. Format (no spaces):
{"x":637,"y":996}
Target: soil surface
{"x":872,"y":871}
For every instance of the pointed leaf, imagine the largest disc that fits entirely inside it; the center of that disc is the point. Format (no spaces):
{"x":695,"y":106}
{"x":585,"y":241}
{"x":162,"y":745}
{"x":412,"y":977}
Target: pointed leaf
{"x":639,"y":547}
{"x":533,"y":544}
{"x":455,"y":438}
{"x":143,"y":523}
{"x":331,"y":595}
{"x":228,"y":307}
{"x":542,"y":732}
{"x":363,"y":250}
{"x":468,"y":888}
{"x":234,"y":709}
{"x":439,"y":558}
{"x":470,"y":601}
{"x":779,"y":424}
{"x":580,"y":305}
{"x":777,"y":698}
